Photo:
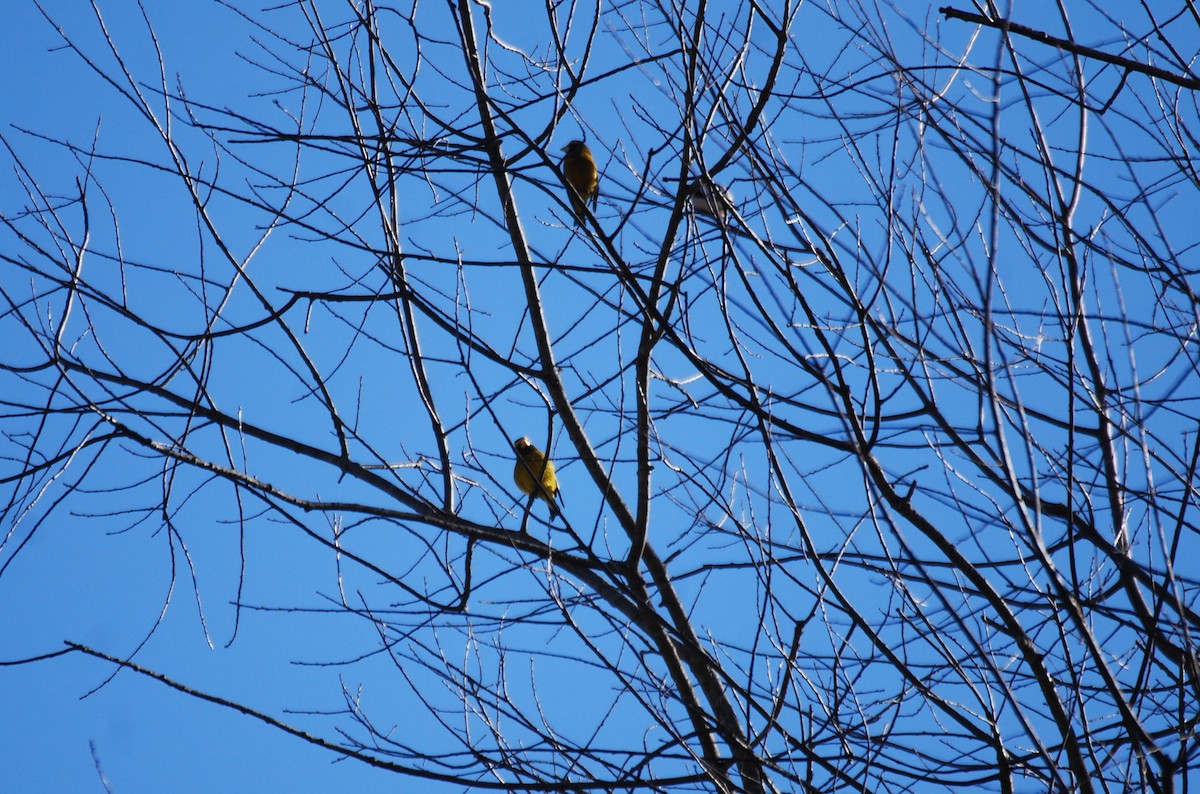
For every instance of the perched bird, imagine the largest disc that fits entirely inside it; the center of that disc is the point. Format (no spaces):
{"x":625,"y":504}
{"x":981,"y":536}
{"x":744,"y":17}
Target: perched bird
{"x":710,"y":199}
{"x":534,"y":474}
{"x":583,"y":180}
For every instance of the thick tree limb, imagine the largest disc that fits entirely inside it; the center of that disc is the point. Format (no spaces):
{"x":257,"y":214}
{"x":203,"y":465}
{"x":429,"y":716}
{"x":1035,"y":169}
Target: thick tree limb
{"x":1070,"y":46}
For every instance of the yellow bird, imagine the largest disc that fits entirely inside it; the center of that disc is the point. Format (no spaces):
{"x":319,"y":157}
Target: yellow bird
{"x":583,"y":180}
{"x":534,"y":474}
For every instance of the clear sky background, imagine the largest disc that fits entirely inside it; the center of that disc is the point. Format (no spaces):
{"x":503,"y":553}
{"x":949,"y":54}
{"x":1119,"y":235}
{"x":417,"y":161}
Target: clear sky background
{"x":102,"y":579}
{"x":75,"y":580}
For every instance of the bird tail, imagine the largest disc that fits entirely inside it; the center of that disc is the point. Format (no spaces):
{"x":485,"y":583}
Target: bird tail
{"x":553,"y":501}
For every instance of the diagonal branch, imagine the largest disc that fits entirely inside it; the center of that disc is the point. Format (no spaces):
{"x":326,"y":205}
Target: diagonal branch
{"x":1070,"y":46}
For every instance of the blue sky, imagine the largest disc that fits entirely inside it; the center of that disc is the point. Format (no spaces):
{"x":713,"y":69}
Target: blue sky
{"x":75,"y":580}
{"x":101,"y":573}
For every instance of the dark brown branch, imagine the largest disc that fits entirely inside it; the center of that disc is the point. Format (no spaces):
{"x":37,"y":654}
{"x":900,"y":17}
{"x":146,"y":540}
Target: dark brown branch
{"x":1070,"y":46}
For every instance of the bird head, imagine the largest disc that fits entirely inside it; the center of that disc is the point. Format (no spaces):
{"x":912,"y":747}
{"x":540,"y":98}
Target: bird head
{"x":523,"y":443}
{"x":574,"y":147}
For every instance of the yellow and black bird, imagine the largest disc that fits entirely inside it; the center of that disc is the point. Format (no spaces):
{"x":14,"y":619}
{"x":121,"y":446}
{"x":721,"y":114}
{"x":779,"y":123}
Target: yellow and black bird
{"x":534,"y":473}
{"x":583,"y":180}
